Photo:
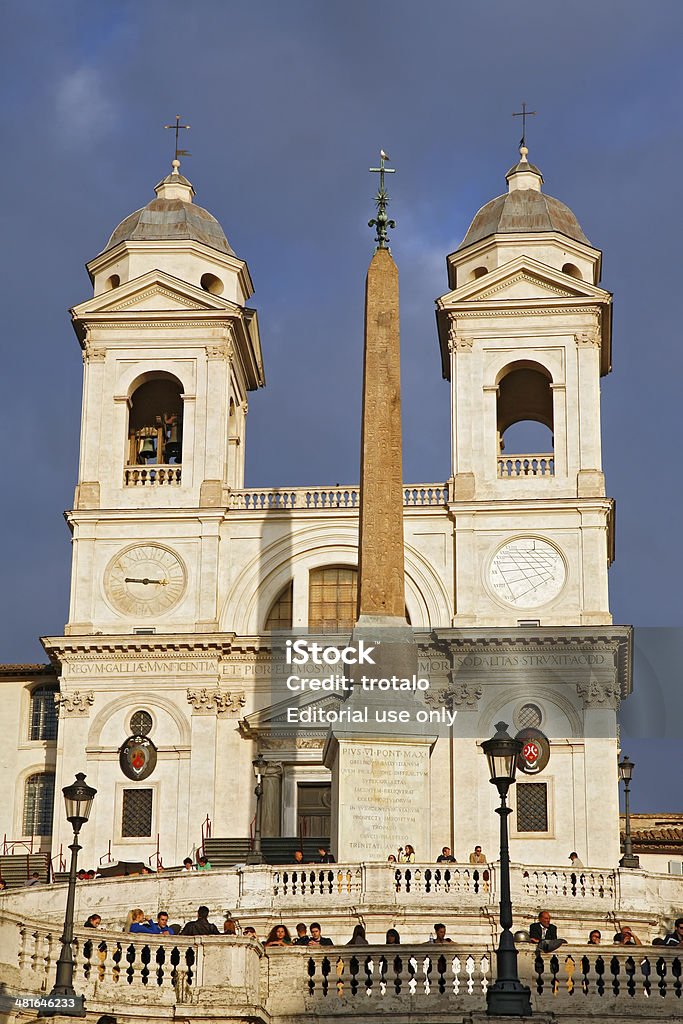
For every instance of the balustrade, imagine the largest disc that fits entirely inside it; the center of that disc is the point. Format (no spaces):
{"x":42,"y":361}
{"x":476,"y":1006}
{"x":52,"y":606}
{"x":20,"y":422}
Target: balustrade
{"x":327,"y":881}
{"x":152,"y":970}
{"x":437,"y":881}
{"x":383,"y":972}
{"x":549,"y":884}
{"x":163,"y":964}
{"x":152,"y":476}
{"x":323,"y":498}
{"x":626,"y":974}
{"x":526,"y":465}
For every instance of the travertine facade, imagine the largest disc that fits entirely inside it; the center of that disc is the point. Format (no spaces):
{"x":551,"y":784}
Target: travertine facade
{"x":177,"y":568}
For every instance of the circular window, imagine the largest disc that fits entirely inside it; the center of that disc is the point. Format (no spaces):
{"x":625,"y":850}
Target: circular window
{"x":140,"y":723}
{"x":528,"y":716}
{"x":211,"y":283}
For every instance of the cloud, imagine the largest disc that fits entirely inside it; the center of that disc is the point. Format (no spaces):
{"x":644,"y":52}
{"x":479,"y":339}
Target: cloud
{"x":82,"y":106}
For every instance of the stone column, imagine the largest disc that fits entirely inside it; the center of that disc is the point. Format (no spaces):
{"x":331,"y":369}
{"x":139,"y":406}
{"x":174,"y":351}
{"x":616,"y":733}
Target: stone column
{"x":271,"y":817}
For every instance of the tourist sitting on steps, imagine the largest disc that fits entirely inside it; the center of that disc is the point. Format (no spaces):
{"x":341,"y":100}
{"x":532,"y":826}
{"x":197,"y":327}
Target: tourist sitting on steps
{"x":278,"y":936}
{"x":544,"y":934}
{"x":317,"y":938}
{"x":440,"y":934}
{"x":202,"y":926}
{"x":358,"y":938}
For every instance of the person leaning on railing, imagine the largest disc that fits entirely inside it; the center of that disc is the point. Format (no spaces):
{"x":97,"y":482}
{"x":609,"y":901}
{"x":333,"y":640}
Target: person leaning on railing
{"x":675,"y":938}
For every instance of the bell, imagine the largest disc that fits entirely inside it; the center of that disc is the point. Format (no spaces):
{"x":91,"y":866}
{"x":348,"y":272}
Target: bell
{"x":172,"y":451}
{"x":148,"y":449}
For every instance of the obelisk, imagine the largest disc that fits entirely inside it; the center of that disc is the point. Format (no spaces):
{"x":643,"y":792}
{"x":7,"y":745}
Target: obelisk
{"x":380,"y":773}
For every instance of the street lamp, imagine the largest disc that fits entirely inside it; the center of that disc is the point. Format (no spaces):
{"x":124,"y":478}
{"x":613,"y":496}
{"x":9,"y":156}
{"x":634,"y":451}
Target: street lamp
{"x":629,"y":860}
{"x":507,"y":996}
{"x":255,"y":855}
{"x":63,"y":1000}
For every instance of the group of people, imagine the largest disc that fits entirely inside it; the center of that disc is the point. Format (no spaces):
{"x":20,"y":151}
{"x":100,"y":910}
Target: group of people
{"x":280,"y":935}
{"x":406,"y":855}
{"x":544,"y":934}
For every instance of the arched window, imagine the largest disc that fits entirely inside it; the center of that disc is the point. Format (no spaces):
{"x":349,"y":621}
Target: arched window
{"x":39,"y":793}
{"x":280,"y":614}
{"x":43,"y":722}
{"x":573,"y":271}
{"x":332,"y":598}
{"x":155,"y":425}
{"x":525,"y":421}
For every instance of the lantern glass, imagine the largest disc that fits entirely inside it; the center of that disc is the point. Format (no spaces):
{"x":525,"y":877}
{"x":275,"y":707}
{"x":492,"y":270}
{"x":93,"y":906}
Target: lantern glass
{"x":78,"y":798}
{"x":626,"y":769}
{"x":502,"y":751}
{"x":259,"y":763}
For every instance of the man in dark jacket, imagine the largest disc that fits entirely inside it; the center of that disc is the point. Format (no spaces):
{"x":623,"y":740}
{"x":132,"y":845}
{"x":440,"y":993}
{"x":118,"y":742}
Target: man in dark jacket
{"x":202,"y":926}
{"x":544,"y":933}
{"x":317,"y":938}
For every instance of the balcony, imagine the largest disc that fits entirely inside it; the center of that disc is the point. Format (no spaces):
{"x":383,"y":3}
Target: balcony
{"x":152,"y":476}
{"x":510,"y":466}
{"x":330,"y":498}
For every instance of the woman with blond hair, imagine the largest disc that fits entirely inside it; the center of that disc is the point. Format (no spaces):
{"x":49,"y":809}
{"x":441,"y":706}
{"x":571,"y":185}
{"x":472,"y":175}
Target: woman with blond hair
{"x":137,"y":922}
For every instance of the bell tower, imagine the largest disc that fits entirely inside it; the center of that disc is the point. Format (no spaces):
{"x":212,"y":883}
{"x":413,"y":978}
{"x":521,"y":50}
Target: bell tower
{"x":525,"y":335}
{"x":170,"y":351}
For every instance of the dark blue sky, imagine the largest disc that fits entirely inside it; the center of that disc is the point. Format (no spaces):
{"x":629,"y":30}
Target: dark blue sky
{"x":289,"y":103}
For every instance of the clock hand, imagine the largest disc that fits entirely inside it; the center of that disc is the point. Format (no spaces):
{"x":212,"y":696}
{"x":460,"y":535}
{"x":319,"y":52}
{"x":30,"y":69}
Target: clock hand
{"x":132,"y":579}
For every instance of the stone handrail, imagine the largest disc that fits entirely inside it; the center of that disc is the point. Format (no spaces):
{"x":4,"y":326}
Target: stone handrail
{"x":526,"y":465}
{"x":326,"y":498}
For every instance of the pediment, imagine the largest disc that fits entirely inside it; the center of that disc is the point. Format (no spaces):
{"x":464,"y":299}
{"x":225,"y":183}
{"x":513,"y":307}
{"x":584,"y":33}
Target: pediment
{"x":273,"y":719}
{"x":524,"y":285}
{"x":523,"y":279}
{"x":153,"y":292}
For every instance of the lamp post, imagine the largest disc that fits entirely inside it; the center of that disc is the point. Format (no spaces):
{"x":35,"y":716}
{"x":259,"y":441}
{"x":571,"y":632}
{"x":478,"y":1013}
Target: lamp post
{"x":507,"y":996}
{"x":629,"y":860}
{"x":63,"y":1000}
{"x":255,"y":855}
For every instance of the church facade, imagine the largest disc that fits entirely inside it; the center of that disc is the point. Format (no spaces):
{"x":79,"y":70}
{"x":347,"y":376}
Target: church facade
{"x":164,"y":686}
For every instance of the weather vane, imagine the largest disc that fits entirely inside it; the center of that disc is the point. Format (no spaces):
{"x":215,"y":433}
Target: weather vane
{"x":524,"y":113}
{"x":381,"y":221}
{"x":178,"y":152}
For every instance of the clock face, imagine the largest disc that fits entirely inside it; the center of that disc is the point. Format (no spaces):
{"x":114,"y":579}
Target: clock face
{"x":527,"y":573}
{"x":144,"y":580}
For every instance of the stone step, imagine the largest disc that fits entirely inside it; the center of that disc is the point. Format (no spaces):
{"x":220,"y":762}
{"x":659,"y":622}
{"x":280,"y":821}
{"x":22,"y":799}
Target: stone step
{"x":17,"y":868}
{"x":223,"y":852}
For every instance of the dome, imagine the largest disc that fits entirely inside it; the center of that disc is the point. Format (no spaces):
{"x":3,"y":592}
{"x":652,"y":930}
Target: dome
{"x":522,"y":209}
{"x":171,"y":216}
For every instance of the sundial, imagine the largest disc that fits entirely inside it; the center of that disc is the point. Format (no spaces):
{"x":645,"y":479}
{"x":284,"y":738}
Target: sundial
{"x":527,"y":572}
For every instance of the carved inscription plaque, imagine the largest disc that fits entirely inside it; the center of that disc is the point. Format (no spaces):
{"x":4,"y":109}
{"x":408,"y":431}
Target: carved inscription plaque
{"x":383,"y":799}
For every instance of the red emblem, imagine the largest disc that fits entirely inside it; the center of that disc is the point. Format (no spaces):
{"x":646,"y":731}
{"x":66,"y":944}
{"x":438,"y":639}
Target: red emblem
{"x":137,"y":759}
{"x":535,"y":752}
{"x":530,"y":753}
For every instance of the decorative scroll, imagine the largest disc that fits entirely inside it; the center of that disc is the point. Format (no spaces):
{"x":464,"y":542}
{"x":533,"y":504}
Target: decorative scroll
{"x":215,"y":701}
{"x":77,"y":703}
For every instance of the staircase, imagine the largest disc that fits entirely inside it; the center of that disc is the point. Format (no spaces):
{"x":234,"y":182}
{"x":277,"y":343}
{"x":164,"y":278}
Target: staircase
{"x":223,"y":853}
{"x":17,"y":868}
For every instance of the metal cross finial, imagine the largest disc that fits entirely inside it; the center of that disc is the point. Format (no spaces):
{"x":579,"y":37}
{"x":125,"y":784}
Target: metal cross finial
{"x":178,"y":152}
{"x":524,"y":113}
{"x":381,"y":221}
